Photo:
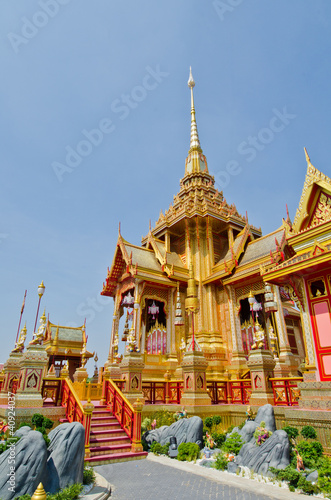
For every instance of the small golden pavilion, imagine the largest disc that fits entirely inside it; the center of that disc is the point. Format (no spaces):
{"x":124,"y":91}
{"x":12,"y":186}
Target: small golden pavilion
{"x":204,"y":237}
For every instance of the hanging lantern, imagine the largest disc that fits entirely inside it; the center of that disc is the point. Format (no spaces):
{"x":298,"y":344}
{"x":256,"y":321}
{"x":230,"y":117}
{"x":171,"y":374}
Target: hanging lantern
{"x":179,"y":320}
{"x":270,"y":305}
{"x":153,"y":309}
{"x":128,"y":300}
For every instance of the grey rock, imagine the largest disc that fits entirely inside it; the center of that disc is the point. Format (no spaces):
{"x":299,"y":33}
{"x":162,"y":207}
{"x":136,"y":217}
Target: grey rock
{"x":186,"y":430}
{"x":22,"y":431}
{"x":29,"y":457}
{"x":232,"y":467}
{"x":313,"y":476}
{"x":265,"y":414}
{"x":65,"y":462}
{"x":274,"y":452}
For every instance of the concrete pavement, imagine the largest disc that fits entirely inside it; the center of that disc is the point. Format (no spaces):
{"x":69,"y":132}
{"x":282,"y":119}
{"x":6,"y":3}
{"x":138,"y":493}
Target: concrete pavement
{"x":160,"y":478}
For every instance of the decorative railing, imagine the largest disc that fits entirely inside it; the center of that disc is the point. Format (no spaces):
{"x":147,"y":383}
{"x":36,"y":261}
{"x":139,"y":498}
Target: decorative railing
{"x":75,"y":411}
{"x":240,"y":391}
{"x":159,"y":392}
{"x":128,"y":415}
{"x":119,"y":382}
{"x":88,"y":390}
{"x":218,"y":392}
{"x":175,"y":391}
{"x":51,"y":391}
{"x":286,"y":391}
{"x":231,"y":392}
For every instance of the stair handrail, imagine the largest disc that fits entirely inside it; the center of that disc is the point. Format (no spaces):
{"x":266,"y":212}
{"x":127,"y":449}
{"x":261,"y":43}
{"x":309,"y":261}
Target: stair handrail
{"x":128,"y":415}
{"x":70,"y":401}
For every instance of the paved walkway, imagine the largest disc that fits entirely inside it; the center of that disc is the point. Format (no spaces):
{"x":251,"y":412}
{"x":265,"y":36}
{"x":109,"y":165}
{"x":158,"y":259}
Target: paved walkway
{"x":160,"y":478}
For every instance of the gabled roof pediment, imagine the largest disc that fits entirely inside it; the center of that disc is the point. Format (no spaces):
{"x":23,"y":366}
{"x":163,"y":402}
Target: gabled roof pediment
{"x":315,"y":202}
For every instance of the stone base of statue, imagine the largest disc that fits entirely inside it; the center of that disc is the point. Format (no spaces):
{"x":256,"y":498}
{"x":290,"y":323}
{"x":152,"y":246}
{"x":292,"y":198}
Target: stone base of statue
{"x":80,"y":374}
{"x":131,"y":372}
{"x":194,"y":367}
{"x":11,"y":370}
{"x":261,"y":364}
{"x":33,"y":368}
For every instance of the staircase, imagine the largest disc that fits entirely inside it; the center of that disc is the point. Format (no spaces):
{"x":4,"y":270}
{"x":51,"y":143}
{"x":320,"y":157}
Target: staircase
{"x":108,"y":442}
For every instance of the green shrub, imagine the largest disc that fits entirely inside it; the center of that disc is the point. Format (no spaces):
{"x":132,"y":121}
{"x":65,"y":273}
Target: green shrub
{"x":324,"y":474}
{"x":162,"y":417}
{"x":4,"y":445}
{"x":217,"y":420}
{"x":146,"y":424}
{"x":88,"y":475}
{"x":233,"y":444}
{"x":24,"y":424}
{"x":307,"y":487}
{"x":221,"y":462}
{"x":240,"y":426}
{"x":23,"y":497}
{"x":289,"y":474}
{"x":292,"y":432}
{"x":37,"y":420}
{"x":230,"y":429}
{"x":208,"y":422}
{"x":158,"y":449}
{"x":310,"y":452}
{"x":308,"y":432}
{"x":69,"y":493}
{"x":188,"y":451}
{"x":219,"y":438}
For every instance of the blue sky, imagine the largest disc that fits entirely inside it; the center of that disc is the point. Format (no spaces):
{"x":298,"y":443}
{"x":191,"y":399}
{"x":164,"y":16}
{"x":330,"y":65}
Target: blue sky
{"x":69,"y":67}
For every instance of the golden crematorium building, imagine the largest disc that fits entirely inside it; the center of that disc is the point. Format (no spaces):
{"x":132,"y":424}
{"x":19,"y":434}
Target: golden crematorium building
{"x":203,"y":237}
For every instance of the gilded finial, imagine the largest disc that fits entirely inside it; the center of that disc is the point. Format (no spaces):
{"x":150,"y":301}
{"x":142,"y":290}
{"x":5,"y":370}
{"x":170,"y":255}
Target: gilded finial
{"x":194,"y":142}
{"x":191,"y":82}
{"x":307,"y":156}
{"x":39,"y":494}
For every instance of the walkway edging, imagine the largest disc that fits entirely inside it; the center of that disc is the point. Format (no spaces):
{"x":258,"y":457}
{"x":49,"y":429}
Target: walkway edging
{"x":100,"y":491}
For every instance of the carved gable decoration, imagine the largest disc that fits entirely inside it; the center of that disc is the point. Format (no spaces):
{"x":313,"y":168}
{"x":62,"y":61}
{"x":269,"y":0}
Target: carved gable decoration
{"x":315,"y":202}
{"x":322,"y":210}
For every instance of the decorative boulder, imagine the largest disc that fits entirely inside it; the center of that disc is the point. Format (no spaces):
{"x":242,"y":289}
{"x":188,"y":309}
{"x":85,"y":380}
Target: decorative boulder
{"x":265,"y":414}
{"x":185,"y":430}
{"x":28,"y":459}
{"x":65,"y":462}
{"x":274,"y":452}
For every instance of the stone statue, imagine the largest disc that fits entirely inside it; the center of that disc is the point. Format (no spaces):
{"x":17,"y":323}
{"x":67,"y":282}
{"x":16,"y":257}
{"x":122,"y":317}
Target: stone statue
{"x":258,"y":337}
{"x":19,"y":346}
{"x":39,"y":335}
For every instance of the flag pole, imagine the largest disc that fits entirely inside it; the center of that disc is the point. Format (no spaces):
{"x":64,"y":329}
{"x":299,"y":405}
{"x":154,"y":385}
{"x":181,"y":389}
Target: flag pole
{"x":19,"y":324}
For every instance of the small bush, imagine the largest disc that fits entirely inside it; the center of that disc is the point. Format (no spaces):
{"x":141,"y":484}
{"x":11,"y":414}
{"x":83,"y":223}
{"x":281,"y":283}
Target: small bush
{"x":146,"y":424}
{"x":217,"y":419}
{"x":208,"y":422}
{"x":308,"y":432}
{"x":188,"y":451}
{"x":219,"y":438}
{"x":24,"y":424}
{"x":37,"y":420}
{"x":69,"y":493}
{"x":233,"y":444}
{"x":162,"y":417}
{"x":221,"y":462}
{"x":292,"y":432}
{"x":240,"y":426}
{"x":88,"y":475}
{"x":158,"y":449}
{"x":310,"y":453}
{"x":289,"y":474}
{"x":230,"y":429}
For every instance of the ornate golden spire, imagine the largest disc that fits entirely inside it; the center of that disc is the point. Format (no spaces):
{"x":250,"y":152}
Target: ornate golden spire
{"x":307,"y":156}
{"x":196,"y":161}
{"x":194,"y":142}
